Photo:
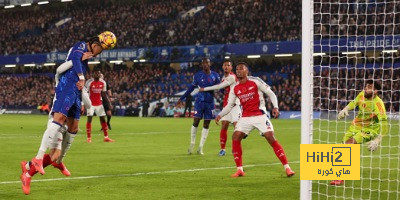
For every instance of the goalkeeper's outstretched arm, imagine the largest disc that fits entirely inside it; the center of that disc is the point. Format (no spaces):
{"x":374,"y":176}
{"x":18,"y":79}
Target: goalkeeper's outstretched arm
{"x":353,"y":104}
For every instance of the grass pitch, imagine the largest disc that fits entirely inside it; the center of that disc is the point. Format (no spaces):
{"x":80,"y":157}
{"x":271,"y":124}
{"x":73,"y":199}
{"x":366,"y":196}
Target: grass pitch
{"x":148,"y":161}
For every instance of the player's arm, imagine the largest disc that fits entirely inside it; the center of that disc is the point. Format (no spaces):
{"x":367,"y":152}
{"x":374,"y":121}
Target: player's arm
{"x":228,"y":107}
{"x":77,"y":66}
{"x":229,"y":81}
{"x":263,"y":87}
{"x":104,"y":94}
{"x":380,"y":113}
{"x":189,"y":90}
{"x":61,"y":69}
{"x":351,"y":106}
{"x":85,"y":99}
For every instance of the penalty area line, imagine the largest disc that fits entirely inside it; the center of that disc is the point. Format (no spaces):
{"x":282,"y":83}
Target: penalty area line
{"x":143,"y":173}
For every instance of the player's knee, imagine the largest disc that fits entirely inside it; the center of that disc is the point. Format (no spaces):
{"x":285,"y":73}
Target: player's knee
{"x":270,"y":137}
{"x":237,"y":135}
{"x":196,"y":122}
{"x":351,"y":141}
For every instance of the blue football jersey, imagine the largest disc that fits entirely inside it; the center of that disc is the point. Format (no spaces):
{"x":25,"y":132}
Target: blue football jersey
{"x":69,"y":78}
{"x":201,"y":79}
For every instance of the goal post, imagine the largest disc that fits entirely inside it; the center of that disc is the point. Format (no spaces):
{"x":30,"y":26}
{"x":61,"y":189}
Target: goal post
{"x":306,"y":86}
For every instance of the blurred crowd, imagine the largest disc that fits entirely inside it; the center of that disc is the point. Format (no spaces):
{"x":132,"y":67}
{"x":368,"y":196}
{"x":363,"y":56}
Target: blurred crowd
{"x":356,"y":18}
{"x":35,"y":29}
{"x":135,"y":88}
{"x":138,"y":86}
{"x":334,"y":88}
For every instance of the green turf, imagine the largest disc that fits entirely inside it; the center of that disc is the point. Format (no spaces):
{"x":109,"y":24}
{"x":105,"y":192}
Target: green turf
{"x":380,"y":170}
{"x":148,"y":161}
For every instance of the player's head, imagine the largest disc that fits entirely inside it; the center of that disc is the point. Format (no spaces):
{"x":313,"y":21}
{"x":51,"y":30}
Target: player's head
{"x":96,"y":74}
{"x":94,"y":46}
{"x":242,"y":70}
{"x":206,"y":64}
{"x":371,"y":88}
{"x":227,"y":66}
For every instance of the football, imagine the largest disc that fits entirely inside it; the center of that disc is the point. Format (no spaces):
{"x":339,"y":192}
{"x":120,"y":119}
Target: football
{"x":107,"y":40}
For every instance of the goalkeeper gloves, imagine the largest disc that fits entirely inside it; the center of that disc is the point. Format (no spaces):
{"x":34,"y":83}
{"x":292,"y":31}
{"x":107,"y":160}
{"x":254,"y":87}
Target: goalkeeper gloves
{"x":343,"y":113}
{"x":374,"y":144}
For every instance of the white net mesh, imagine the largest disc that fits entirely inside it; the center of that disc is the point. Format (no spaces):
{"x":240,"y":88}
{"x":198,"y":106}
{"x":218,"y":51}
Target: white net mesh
{"x":350,"y":38}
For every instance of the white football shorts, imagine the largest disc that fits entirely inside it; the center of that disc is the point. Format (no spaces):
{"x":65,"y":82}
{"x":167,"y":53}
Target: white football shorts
{"x":99,"y":110}
{"x":233,"y":115}
{"x":260,"y":122}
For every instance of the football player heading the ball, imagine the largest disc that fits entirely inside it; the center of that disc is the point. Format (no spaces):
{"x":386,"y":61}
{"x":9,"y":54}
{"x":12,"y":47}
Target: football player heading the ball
{"x":67,"y":106}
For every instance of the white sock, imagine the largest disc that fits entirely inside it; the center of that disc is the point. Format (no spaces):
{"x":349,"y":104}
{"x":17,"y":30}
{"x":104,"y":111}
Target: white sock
{"x":204,"y":134}
{"x":286,"y":166}
{"x":49,"y":134}
{"x":240,"y":168}
{"x":68,"y":138}
{"x":193,"y":133}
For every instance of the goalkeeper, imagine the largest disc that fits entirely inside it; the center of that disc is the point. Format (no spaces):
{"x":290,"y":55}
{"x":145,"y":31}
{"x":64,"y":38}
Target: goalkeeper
{"x":370,"y":124}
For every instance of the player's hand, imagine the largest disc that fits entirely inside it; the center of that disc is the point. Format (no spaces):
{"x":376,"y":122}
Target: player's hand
{"x":373,"y":145}
{"x":343,"y":113}
{"x":275,"y":113}
{"x":217,"y":119}
{"x":111,"y":107}
{"x":82,"y":110}
{"x":80,"y":84}
{"x":201,"y":89}
{"x":87,"y":55}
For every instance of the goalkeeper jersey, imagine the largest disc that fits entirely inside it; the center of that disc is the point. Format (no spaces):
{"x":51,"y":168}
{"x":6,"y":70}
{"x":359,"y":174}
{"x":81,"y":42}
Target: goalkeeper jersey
{"x":371,"y":113}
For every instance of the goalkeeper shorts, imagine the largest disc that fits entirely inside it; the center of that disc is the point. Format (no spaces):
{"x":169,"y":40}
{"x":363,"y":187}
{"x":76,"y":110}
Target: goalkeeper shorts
{"x":360,"y":134}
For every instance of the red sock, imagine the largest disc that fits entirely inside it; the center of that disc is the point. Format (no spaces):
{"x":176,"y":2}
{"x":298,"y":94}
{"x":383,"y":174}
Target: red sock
{"x":46,"y":162}
{"x":280,"y":153}
{"x":222,"y":138}
{"x":89,"y":129}
{"x":105,"y":128}
{"x":237,"y":152}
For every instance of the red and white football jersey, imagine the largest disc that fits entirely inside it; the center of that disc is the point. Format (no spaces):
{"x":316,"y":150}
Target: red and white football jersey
{"x":251,"y":96}
{"x":95,"y":88}
{"x":231,"y":79}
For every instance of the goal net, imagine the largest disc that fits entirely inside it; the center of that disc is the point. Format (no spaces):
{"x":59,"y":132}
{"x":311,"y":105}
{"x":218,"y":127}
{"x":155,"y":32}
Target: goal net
{"x":354,"y":41}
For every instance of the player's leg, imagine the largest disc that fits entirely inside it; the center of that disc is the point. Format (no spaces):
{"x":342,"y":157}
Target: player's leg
{"x":102,"y":115}
{"x":193,"y":132}
{"x":196,"y":121}
{"x":208,"y":110}
{"x":68,"y":138}
{"x":223,"y":135}
{"x":109,"y":115}
{"x":29,"y":169}
{"x":204,"y":135}
{"x":89,"y":114}
{"x":237,"y":138}
{"x":267,"y":130}
{"x":242,"y":129}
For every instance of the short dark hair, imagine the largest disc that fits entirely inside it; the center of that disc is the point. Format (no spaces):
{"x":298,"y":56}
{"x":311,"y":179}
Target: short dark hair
{"x":94,"y":39}
{"x":228,"y":60}
{"x":243,"y":63}
{"x":205,"y":59}
{"x":376,"y":84}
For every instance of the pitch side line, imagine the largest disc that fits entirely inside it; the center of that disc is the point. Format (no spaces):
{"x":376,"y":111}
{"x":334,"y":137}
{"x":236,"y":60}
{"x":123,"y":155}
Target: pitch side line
{"x":143,"y":173}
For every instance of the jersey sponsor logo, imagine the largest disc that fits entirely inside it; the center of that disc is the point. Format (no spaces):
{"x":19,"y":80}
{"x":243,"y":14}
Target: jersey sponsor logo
{"x":250,"y":88}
